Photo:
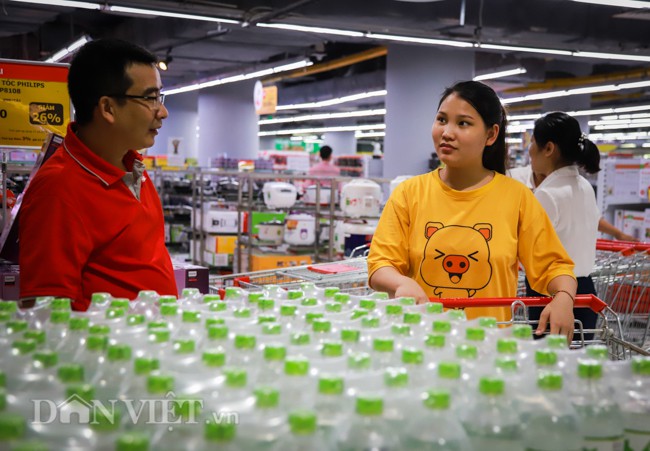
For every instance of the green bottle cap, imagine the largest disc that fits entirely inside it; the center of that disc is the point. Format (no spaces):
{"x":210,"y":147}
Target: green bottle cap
{"x":79,"y":323}
{"x":449,"y":370}
{"x":392,"y":309}
{"x":641,"y":366}
{"x":24,"y":346}
{"x":9,"y":307}
{"x":233,"y":293}
{"x":113,"y":313}
{"x":597,"y":352}
{"x":100,"y":298}
{"x":300,"y":339}
{"x":341,"y":298}
{"x":331,"y":291}
{"x":402,"y":330}
{"x":159,"y":335}
{"x":350,"y":335}
{"x":272,"y":329}
{"x":266,"y":397}
{"x":117,"y":352}
{"x":261,"y":319}
{"x":245,"y":341}
{"x":264,"y":304}
{"x":296,"y":366}
{"x":457,"y":315}
{"x":550,"y":380}
{"x":167,"y":299}
{"x":556,"y":342}
{"x":465,"y":351}
{"x":99,"y":329}
{"x":236,"y":377}
{"x":106,"y":420}
{"x":85,"y":392}
{"x":307,"y":286}
{"x":489,"y":322}
{"x":434,"y":308}
{"x":70,"y":373}
{"x":191,"y":316}
{"x":13,"y":426}
{"x":159,"y":384}
{"x":288,"y":310}
{"x":217,"y":306}
{"x":368,"y":304}
{"x":311,"y":316}
{"x":16,"y":326}
{"x":330,"y":385}
{"x":61,"y":304}
{"x":396,"y":377}
{"x":332,"y":349}
{"x":97,"y":342}
{"x":187,"y":409}
{"x":412,"y":356}
{"x":243,"y":312}
{"x":370,"y":322}
{"x":590,"y":369}
{"x":412,"y":318}
{"x":358,"y":313}
{"x":184,"y":346}
{"x":208,"y":298}
{"x":147,"y":294}
{"x":37,"y":335}
{"x":214,"y":358}
{"x":545,"y":357}
{"x":309,"y":302}
{"x":383,"y":344}
{"x":222,"y":431}
{"x":145,"y":365}
{"x":46,"y":358}
{"x":253,"y":298}
{"x":507,"y":346}
{"x":135,"y":320}
{"x":475,"y":334}
{"x":435,"y":341}
{"x":275,"y":352}
{"x":333,"y":307}
{"x":218,"y":332}
{"x":5,"y":317}
{"x":436,"y":399}
{"x":506,"y":363}
{"x":302,"y":422}
{"x":369,"y":406}
{"x":190,"y":292}
{"x":491,"y":386}
{"x":522,"y":331}
{"x":407,"y":301}
{"x":132,"y":441}
{"x":214,"y":322}
{"x":321,"y":326}
{"x":60,"y":316}
{"x":119,"y":303}
{"x":380,"y":296}
{"x":168,"y":310}
{"x":359,"y":361}
{"x":441,"y":326}
{"x":294,"y":294}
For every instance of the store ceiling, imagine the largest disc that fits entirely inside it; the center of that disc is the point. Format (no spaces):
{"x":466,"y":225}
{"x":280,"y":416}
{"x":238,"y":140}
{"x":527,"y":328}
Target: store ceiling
{"x":206,"y":49}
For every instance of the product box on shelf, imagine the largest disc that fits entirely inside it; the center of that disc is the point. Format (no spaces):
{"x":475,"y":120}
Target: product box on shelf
{"x":223,"y":221}
{"x":265,"y":216}
{"x":220,"y":244}
{"x":630,"y":222}
{"x":260,"y":261}
{"x":9,"y":282}
{"x":219,"y":260}
{"x":191,"y":276}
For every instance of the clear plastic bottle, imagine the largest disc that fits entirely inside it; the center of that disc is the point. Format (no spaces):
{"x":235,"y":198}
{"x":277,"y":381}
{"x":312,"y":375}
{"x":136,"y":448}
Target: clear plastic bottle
{"x":56,"y":327}
{"x":383,"y":353}
{"x":397,"y":402}
{"x":436,"y":429}
{"x":106,"y":429}
{"x":332,"y":405}
{"x":368,"y":430}
{"x":635,"y":405}
{"x":273,"y":366}
{"x":602,"y":425}
{"x":74,"y":339}
{"x":261,"y":429}
{"x":297,"y":386}
{"x":132,"y":441}
{"x":186,"y":426}
{"x":13,"y":428}
{"x":303,"y":434}
{"x":413,"y":360}
{"x":491,"y":422}
{"x":549,"y":420}
{"x":113,"y":372}
{"x":220,"y":435}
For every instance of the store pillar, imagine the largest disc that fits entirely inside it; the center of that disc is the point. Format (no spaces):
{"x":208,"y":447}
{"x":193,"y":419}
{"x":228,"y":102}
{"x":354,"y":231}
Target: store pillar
{"x":227,"y":122}
{"x":416,"y":76}
{"x":178,"y":136}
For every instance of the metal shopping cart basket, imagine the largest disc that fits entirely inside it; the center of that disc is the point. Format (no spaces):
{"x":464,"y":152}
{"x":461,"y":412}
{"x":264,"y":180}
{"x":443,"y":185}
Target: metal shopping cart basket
{"x":610,"y":334}
{"x":350,"y":276}
{"x":622,"y":280}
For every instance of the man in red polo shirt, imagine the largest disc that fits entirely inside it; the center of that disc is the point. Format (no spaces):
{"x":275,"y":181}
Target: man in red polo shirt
{"x":91,"y":219}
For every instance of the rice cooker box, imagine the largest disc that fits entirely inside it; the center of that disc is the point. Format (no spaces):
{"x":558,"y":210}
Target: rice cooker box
{"x":279,"y":194}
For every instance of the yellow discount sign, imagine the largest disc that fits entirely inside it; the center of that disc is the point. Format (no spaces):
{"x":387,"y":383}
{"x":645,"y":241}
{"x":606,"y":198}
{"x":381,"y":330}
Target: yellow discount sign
{"x":33,"y":101}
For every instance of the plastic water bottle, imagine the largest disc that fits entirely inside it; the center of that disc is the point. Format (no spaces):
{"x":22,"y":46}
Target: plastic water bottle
{"x":635,"y":404}
{"x":297,"y":386}
{"x":383,"y":353}
{"x":74,"y":339}
{"x":261,"y":429}
{"x":303,"y":434}
{"x":549,"y":421}
{"x":185,"y":429}
{"x":273,"y":366}
{"x":413,"y":361}
{"x":132,"y":441}
{"x":106,"y":429}
{"x":435,"y":429}
{"x":57,"y":328}
{"x":602,"y":426}
{"x":112,"y":373}
{"x":91,"y":354}
{"x":221,"y":435}
{"x":332,"y":405}
{"x":491,"y":423}
{"x":13,"y":428}
{"x":397,"y":402}
{"x":368,"y":430}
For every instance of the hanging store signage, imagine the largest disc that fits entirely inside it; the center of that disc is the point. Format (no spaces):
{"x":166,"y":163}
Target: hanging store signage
{"x":34,"y":100}
{"x":266,"y":99}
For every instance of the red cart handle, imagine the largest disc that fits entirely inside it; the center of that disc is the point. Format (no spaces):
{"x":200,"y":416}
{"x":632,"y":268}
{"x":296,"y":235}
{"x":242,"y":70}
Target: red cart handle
{"x":582,"y":301}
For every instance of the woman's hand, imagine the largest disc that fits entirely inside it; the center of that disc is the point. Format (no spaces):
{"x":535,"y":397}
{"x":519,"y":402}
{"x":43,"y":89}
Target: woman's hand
{"x":559,"y":312}
{"x":410,"y":288}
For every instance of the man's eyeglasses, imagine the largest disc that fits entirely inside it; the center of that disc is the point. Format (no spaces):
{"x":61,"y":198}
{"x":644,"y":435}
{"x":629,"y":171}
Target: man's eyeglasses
{"x":153,"y":102}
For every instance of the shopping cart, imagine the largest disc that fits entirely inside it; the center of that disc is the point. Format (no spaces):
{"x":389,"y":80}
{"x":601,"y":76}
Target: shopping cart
{"x":622,"y":280}
{"x":610,"y":334}
{"x":350,"y":276}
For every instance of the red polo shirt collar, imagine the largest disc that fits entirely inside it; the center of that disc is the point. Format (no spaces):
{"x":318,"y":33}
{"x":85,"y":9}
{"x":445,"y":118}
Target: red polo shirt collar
{"x":92,"y":162}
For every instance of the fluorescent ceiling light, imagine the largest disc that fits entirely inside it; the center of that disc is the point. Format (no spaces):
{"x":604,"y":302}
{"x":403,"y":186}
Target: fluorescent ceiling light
{"x":330,"y":102}
{"x":152,"y":12}
{"x":501,"y":74}
{"x":369,"y":134}
{"x":68,"y":50}
{"x":307,"y":29}
{"x":443,"y":42}
{"x":577,"y":91}
{"x":323,"y":116}
{"x":65,"y":3}
{"x":235,"y":78}
{"x":516,"y":48}
{"x":644,"y":124}
{"x":617,"y":3}
{"x":343,"y":128}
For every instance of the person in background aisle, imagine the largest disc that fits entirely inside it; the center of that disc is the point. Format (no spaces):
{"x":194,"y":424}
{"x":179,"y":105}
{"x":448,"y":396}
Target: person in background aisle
{"x":525,"y":175}
{"x":557,"y":148}
{"x":459,"y":231}
{"x":91,"y":219}
{"x":325,"y":167}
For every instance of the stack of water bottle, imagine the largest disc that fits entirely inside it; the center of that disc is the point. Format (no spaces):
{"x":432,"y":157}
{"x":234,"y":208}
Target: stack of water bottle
{"x":306,"y":370}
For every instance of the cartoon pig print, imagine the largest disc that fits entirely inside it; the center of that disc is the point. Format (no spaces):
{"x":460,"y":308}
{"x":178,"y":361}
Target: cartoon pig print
{"x":456,"y":260}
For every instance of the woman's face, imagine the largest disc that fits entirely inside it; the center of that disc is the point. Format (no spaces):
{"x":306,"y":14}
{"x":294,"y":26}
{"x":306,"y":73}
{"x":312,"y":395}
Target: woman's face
{"x":459,"y":133}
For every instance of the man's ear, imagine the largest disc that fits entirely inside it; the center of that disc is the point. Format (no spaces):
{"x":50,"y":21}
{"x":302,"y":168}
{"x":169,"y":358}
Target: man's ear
{"x":106,"y":109}
{"x":493,"y":134}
